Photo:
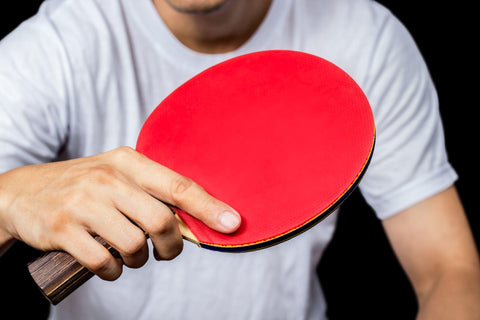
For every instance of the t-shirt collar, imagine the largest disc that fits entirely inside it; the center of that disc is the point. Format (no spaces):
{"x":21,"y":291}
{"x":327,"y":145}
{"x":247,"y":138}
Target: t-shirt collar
{"x":170,"y":46}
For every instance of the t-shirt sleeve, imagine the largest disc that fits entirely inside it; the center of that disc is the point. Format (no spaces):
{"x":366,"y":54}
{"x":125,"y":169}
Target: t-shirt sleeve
{"x":33,"y":94}
{"x":410,"y":162}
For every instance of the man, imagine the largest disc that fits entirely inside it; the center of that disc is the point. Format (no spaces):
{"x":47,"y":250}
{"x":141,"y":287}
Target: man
{"x":77,"y":82}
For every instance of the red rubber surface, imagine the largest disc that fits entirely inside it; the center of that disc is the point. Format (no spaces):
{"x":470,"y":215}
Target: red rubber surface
{"x":278,"y":135}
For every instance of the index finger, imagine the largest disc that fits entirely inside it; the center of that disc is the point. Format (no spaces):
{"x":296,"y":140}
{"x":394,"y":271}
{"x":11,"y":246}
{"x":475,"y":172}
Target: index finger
{"x":177,"y":190}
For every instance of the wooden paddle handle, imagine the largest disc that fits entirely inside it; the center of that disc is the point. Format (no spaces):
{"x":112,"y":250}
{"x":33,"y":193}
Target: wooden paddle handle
{"x":58,"y":274}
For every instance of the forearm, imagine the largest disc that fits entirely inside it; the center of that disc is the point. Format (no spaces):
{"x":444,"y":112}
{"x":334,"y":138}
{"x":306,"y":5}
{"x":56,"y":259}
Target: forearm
{"x":434,"y":243}
{"x":455,"y":295}
{"x":6,"y":239}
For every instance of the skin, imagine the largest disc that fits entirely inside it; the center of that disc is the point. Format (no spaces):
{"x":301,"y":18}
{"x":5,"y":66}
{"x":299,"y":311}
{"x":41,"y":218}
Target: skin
{"x":432,"y":239}
{"x":435,"y":246}
{"x":212,"y":26}
{"x":61,"y":205}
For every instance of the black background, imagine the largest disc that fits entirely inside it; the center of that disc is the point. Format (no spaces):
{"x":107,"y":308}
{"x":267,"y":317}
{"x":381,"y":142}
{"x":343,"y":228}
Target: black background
{"x":360,"y":275}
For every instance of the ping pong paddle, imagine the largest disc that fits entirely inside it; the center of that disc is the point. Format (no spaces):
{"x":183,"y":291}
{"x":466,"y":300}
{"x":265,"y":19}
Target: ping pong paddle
{"x":281,"y":136}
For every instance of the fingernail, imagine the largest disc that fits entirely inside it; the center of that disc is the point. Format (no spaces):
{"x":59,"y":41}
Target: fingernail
{"x":229,"y":220}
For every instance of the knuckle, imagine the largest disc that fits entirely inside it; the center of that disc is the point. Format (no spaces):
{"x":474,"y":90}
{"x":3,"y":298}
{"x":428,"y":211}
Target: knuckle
{"x":102,"y":173}
{"x":174,"y":249}
{"x":179,"y":187}
{"x":162,"y":224}
{"x":135,"y":245}
{"x":77,"y":197}
{"x":102,"y":178}
{"x":54,"y":237}
{"x":75,"y":209}
{"x":137,"y":261}
{"x":207,"y":203}
{"x":113,"y":273}
{"x":125,"y":149}
{"x":124,"y":153}
{"x":101,"y":265}
{"x":57,"y":221}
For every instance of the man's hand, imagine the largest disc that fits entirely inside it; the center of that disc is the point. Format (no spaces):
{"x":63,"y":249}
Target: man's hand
{"x":60,"y":206}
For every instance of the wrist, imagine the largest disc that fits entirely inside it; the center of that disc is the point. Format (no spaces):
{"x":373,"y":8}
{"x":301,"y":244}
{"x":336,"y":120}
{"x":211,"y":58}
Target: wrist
{"x":6,"y":241}
{"x":6,"y":238}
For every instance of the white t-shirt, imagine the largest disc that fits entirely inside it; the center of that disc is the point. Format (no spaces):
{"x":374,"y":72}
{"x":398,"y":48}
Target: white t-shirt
{"x":80,"y":78}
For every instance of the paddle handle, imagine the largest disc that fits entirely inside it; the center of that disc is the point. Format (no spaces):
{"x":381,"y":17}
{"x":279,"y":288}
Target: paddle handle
{"x":58,"y":274}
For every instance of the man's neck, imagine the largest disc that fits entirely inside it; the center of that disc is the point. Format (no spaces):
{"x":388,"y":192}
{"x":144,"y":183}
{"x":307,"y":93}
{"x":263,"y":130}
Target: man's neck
{"x":219,"y":31}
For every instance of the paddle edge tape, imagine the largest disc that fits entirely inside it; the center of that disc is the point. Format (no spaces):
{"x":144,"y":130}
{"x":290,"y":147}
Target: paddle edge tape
{"x":294,"y":232}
